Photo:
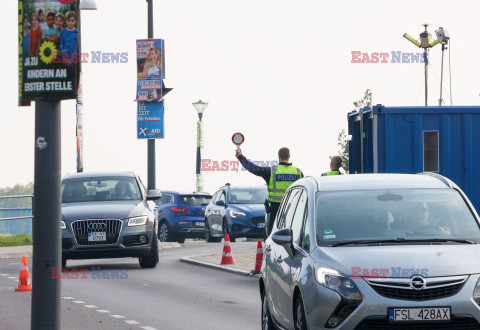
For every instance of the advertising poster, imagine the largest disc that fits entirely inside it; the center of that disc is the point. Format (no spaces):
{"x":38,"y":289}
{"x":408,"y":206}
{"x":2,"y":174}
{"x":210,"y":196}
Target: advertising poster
{"x":47,"y":49}
{"x":79,"y":138}
{"x":149,"y":70}
{"x":150,"y":118}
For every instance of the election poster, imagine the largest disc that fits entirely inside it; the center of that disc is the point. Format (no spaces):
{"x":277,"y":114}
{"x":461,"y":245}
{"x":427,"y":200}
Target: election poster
{"x":48,"y":50}
{"x":79,"y":138}
{"x":149,"y":70}
{"x":150,"y":120}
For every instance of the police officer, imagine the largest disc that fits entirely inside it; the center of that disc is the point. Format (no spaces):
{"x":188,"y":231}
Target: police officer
{"x":335,"y":164}
{"x":278,"y":177}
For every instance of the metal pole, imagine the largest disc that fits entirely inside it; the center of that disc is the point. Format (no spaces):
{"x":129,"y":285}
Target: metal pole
{"x":47,"y":215}
{"x":199,"y":156}
{"x":426,"y":76}
{"x":151,"y":142}
{"x":440,"y":101}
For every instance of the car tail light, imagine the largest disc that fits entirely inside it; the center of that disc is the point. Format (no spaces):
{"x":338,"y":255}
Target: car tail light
{"x":179,"y":209}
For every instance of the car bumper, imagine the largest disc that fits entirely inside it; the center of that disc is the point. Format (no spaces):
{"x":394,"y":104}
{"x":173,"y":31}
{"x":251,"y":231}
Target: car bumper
{"x":190,"y":229}
{"x":321,"y":303}
{"x":129,"y":244}
{"x":250,"y":228}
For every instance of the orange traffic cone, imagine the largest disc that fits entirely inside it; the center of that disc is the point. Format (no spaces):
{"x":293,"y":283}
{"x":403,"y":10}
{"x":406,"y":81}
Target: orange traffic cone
{"x":258,"y":262}
{"x":24,"y":283}
{"x":227,"y":258}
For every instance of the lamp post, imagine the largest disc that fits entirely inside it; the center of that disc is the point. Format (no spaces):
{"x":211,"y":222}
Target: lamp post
{"x":47,"y":201}
{"x":200,"y":107}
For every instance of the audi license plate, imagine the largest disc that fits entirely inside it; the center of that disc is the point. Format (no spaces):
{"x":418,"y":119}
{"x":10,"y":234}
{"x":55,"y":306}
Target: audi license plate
{"x":261,"y":225}
{"x":419,"y":314}
{"x":97,"y":236}
{"x":200,"y":223}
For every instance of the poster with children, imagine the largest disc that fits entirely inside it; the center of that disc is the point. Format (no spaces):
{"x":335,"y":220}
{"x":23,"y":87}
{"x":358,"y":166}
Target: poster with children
{"x":48,"y":50}
{"x":150,"y":71}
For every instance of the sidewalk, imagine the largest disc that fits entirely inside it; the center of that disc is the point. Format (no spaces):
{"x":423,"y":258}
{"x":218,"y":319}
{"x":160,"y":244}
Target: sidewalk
{"x":13,"y":252}
{"x":244,"y":262}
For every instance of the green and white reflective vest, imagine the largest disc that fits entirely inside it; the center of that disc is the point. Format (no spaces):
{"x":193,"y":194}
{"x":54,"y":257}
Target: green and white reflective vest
{"x":332,"y":173}
{"x":281,"y":177}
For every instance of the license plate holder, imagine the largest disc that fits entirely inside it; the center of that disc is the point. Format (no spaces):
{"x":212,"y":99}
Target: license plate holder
{"x":97,"y":236}
{"x":416,"y":314}
{"x":200,"y":223}
{"x":261,"y":225}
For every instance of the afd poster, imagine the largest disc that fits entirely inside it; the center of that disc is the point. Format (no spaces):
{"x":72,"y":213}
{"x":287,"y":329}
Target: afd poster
{"x":149,"y":70}
{"x":150,"y":120}
{"x":47,"y":50}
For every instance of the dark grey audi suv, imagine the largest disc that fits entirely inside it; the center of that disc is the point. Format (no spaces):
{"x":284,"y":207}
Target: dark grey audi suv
{"x":108,"y":215}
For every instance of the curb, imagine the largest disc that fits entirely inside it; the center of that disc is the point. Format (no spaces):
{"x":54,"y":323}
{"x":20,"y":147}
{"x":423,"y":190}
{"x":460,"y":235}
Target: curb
{"x":215,"y":266}
{"x":29,"y":254}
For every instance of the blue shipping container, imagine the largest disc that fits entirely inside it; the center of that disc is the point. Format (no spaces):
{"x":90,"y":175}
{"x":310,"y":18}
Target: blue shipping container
{"x":444,"y":140}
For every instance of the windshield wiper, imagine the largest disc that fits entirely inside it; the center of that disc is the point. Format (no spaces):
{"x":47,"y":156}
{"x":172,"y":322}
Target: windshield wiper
{"x":403,"y":240}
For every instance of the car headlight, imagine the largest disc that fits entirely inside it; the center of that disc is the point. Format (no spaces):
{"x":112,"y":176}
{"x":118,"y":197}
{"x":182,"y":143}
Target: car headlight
{"x":62,"y":225}
{"x":138,"y":221}
{"x":334,"y":280}
{"x":476,"y":292}
{"x":351,"y":296}
{"x":234,"y":214}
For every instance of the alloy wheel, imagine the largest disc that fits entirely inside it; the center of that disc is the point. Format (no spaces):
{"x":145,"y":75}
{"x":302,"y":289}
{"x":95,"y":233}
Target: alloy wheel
{"x":300,"y":323}
{"x":163,"y":232}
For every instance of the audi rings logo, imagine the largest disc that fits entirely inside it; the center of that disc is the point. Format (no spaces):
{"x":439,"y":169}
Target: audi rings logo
{"x":97,"y":226}
{"x":417,"y":282}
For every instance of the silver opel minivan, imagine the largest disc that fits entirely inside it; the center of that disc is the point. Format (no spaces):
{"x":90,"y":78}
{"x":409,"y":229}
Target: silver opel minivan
{"x":372,"y":251}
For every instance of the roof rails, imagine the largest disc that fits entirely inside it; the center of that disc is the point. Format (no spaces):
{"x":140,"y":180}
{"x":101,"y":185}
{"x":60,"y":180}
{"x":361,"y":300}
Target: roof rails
{"x":438,"y":177}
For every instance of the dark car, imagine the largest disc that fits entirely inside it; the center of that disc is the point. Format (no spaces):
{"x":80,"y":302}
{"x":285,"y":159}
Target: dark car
{"x":236,"y":211}
{"x":181,"y":215}
{"x":108,"y":215}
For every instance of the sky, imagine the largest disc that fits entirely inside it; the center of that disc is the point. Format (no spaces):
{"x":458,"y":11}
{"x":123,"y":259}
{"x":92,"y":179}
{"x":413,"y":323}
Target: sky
{"x":280,"y":72}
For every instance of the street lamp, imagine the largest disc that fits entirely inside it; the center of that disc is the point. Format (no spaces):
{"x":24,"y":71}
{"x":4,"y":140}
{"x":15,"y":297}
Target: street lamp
{"x":200,"y":107}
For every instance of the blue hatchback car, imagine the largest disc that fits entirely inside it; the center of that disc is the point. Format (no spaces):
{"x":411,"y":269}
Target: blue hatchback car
{"x":237,"y":211}
{"x":181,"y":215}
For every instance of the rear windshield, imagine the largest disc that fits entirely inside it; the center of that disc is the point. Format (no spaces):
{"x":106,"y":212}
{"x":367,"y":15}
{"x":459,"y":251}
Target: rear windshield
{"x":100,"y":189}
{"x":391,"y":214}
{"x":250,"y":196}
{"x":195,"y":200}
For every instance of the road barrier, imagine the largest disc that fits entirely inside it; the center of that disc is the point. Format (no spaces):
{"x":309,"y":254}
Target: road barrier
{"x":14,"y":221}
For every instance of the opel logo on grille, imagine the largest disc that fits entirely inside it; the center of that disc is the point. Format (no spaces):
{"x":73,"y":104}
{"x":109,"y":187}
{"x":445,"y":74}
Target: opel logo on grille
{"x":417,"y":282}
{"x":97,"y":226}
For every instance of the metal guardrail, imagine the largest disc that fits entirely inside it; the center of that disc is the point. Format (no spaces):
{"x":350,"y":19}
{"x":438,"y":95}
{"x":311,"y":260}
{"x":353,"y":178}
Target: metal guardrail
{"x":18,"y":196}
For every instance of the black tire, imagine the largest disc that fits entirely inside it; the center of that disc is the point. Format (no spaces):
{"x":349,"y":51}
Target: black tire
{"x":299,"y":319}
{"x":164,"y":234}
{"x":150,"y":260}
{"x":64,"y":262}
{"x":180,"y":239}
{"x":226,"y":231}
{"x":267,"y":322}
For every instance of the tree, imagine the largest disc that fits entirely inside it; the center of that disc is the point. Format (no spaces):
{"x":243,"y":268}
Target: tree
{"x":18,"y":189}
{"x":343,"y":138}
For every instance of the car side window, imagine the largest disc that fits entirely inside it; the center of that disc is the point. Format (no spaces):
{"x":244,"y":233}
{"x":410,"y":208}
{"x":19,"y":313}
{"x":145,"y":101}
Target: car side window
{"x":215,"y":197}
{"x":281,"y":211}
{"x":166,"y":198}
{"x":298,"y":217}
{"x":306,"y":232}
{"x":290,"y":207}
{"x":222,"y":197}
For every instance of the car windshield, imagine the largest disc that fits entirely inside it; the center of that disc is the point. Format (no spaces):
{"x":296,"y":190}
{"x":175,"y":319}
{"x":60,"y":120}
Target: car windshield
{"x":398,"y":215}
{"x":100,"y":189}
{"x":195,"y":200}
{"x":248,"y":196}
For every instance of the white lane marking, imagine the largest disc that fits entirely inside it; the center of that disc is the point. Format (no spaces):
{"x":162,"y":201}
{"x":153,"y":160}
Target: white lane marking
{"x":148,"y":328}
{"x":12,"y":278}
{"x":118,"y":316}
{"x":79,"y":302}
{"x":68,"y":298}
{"x":4,"y":274}
{"x":131,"y":322}
{"x":90,"y":306}
{"x":103,"y":311}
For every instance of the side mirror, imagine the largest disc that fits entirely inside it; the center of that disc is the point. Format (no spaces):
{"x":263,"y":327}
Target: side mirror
{"x":153,"y":195}
{"x":284,"y":237}
{"x":220,"y":203}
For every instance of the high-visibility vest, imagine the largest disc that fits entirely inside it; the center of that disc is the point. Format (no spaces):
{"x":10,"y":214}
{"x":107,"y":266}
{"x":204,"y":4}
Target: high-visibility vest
{"x":332,"y":173}
{"x":281,"y":177}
